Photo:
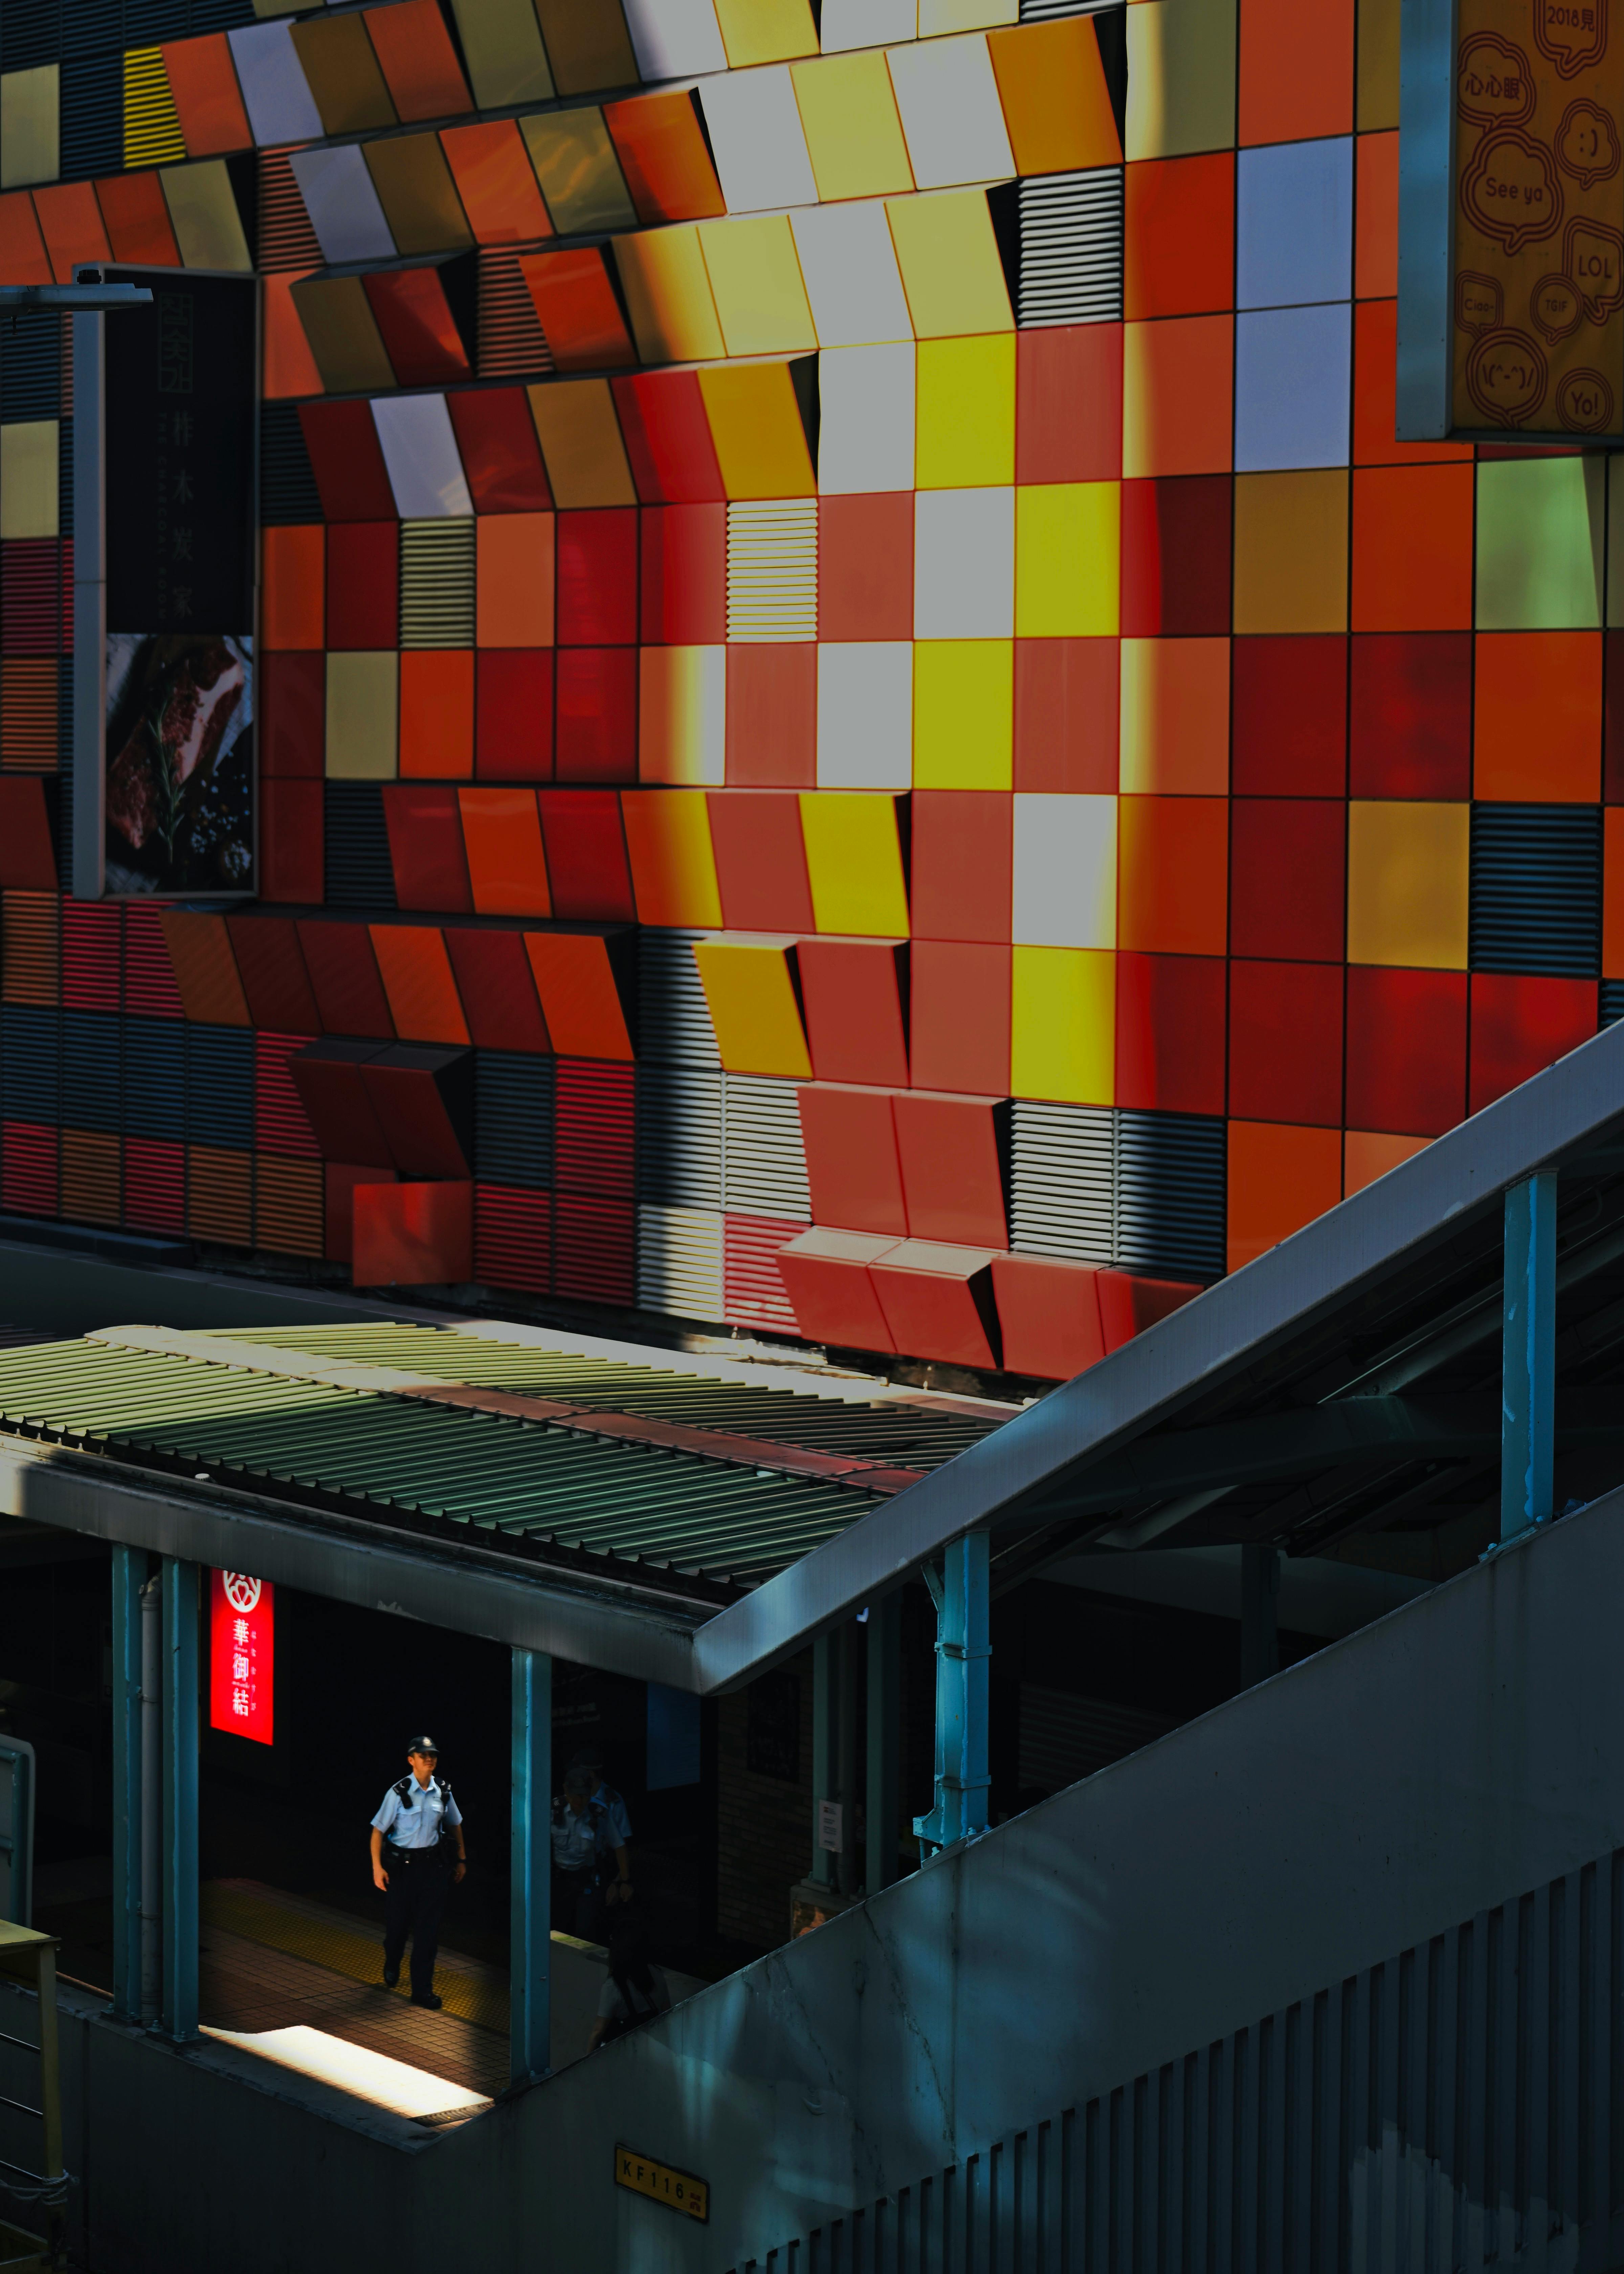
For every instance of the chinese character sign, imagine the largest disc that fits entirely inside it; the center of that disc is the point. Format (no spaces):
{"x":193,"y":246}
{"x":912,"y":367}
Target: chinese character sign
{"x":242,"y":1655}
{"x":179,"y":459}
{"x":1539,"y":314}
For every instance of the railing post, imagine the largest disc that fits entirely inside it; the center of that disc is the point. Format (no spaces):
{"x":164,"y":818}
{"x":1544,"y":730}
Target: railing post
{"x":962,"y":1687}
{"x":882,"y":1780}
{"x":129,"y":1578}
{"x":1528,"y":1404}
{"x":177,"y":2013}
{"x":531,"y":1882}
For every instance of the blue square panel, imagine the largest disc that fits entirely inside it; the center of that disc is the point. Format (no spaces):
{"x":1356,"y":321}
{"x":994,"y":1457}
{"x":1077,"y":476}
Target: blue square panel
{"x":1293,"y":224}
{"x":1291,"y":387}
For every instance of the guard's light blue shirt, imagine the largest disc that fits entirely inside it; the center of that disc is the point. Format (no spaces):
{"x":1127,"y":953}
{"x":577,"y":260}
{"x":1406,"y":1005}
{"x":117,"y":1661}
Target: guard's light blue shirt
{"x":620,"y":1824}
{"x":415,"y":1822}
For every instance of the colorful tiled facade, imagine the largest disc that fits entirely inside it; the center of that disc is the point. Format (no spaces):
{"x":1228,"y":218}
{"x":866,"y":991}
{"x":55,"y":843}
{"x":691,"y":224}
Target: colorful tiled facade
{"x":848,"y":662}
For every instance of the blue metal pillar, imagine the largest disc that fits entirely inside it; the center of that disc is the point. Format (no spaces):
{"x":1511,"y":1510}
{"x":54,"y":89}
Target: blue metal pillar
{"x":530,"y":1880}
{"x":177,"y":2011}
{"x":129,"y":1578}
{"x":963,"y":1649}
{"x":1527,"y":1403}
{"x":883,"y":1782}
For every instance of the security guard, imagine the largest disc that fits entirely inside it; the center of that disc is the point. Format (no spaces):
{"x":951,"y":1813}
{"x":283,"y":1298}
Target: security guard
{"x":413,"y":1835}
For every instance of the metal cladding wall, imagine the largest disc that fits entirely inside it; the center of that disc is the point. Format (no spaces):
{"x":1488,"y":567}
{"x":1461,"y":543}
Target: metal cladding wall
{"x":1338,"y":1964}
{"x":899,"y":504}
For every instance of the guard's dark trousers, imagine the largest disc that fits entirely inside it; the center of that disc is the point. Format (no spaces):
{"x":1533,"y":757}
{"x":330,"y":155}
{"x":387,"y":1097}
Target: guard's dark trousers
{"x":413,"y":1901}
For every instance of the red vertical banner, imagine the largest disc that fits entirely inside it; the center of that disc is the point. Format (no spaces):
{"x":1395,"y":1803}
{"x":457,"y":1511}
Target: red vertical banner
{"x":242,"y":1655}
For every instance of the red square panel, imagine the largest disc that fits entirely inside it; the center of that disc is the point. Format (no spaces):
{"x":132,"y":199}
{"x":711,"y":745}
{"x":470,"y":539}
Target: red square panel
{"x":961,"y":864}
{"x":347,"y":459}
{"x":1287,"y":866}
{"x":1176,"y":547}
{"x":1067,"y":712}
{"x":596,"y":736}
{"x":825,"y":1274}
{"x":685,"y":575}
{"x":667,"y":438}
{"x":1170,"y":1032}
{"x":1406,"y":1051}
{"x":772,"y":716}
{"x":512,"y":713}
{"x":865,"y":566}
{"x":854,"y":994}
{"x":597,"y":571}
{"x":959,"y":1035}
{"x":1290,"y":730}
{"x":1049,"y":1315}
{"x":1410,"y":715}
{"x":292,"y":722}
{"x":1286,"y":1042}
{"x":496,"y":438}
{"x":343,"y":977}
{"x":952,"y":1152}
{"x":853,"y":1171}
{"x":1519,"y":1026}
{"x":586,"y":855}
{"x":1128,"y":1304}
{"x":761,"y":860}
{"x":938,"y":1301}
{"x":364,"y":584}
{"x":1068,"y":403}
{"x":426,"y":847}
{"x":292,"y":828}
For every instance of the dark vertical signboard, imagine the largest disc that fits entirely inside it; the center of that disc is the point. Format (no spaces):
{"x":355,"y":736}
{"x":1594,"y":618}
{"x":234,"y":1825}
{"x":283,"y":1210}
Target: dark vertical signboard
{"x":178,"y":467}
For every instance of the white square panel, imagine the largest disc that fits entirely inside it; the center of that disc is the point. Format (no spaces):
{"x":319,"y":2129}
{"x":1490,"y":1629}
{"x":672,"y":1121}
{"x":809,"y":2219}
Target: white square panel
{"x":951,"y":112}
{"x":865,"y":715}
{"x":964,"y":564}
{"x":673,"y":39}
{"x":342,"y":204}
{"x":865,"y":23}
{"x":865,"y":436}
{"x":756,"y":138}
{"x":1066,"y":871}
{"x":275,"y":92}
{"x":848,"y":264}
{"x":420,"y":452}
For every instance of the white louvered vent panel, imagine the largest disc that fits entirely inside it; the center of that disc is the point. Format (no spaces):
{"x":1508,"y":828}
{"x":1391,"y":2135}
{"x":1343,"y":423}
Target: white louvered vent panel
{"x":1062,"y":1159}
{"x":437,"y":583}
{"x":673,"y":1015}
{"x":764,"y":1161}
{"x":1071,"y":248}
{"x":1040,"y":12}
{"x":772,"y":569}
{"x":680,"y":1261}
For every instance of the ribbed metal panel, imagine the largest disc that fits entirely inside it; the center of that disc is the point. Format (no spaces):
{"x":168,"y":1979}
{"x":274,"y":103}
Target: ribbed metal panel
{"x":289,"y":1206}
{"x":763,"y":1159}
{"x":772,"y":569}
{"x":511,"y":342}
{"x":154,"y":1186}
{"x":29,"y":948}
{"x":358,"y":872}
{"x":30,"y":33}
{"x":29,"y":693}
{"x":282,"y":1126}
{"x":151,"y":123}
{"x":1170,"y":1194}
{"x":91,"y":1084}
{"x":91,"y":97}
{"x":513,"y":1123}
{"x":154,"y":1089}
{"x":220,"y":15}
{"x":1062,"y":1181}
{"x":437,"y":583}
{"x":287,"y":239}
{"x":30,"y":360}
{"x":30,"y":1064}
{"x":594,"y":1124}
{"x":31,"y":596}
{"x":594,"y":1249}
{"x":753,"y":1289}
{"x":680,"y":1136}
{"x":220,"y":1085}
{"x":1458,"y":2107}
{"x":92,"y":956}
{"x":1071,"y":228}
{"x":146,"y":21}
{"x":673,"y":1017}
{"x":1535,"y":889}
{"x":149,"y":975}
{"x":513,"y":1238}
{"x":29,"y":1161}
{"x":1040,"y":12}
{"x":1611,"y":1002}
{"x":220,"y":1195}
{"x":680,"y":1261}
{"x":65,"y":476}
{"x":288,"y":491}
{"x":89,"y":1177}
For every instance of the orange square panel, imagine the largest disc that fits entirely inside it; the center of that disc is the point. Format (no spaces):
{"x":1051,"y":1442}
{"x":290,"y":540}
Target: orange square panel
{"x":1179,"y":396}
{"x":418,"y":60}
{"x":579,"y":978}
{"x":1049,"y":1315}
{"x":418,"y":1235}
{"x":418,"y":980}
{"x":507,"y":867}
{"x":137,"y":219}
{"x":209,"y":102}
{"x":1412,"y":549}
{"x":496,"y":182}
{"x":1173,"y":885}
{"x":1537,"y":732}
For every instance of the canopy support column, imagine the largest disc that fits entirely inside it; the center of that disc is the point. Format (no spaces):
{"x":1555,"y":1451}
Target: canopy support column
{"x":883,"y":1781}
{"x":129,"y":1578}
{"x":825,"y":1753}
{"x":962,"y":1595}
{"x":1527,"y":1403}
{"x":530,"y":1883}
{"x":177,"y":2013}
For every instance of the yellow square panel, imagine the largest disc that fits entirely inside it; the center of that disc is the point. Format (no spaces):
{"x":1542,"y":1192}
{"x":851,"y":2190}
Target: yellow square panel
{"x":848,"y":112}
{"x":964,"y":710}
{"x":766,"y":31}
{"x":749,"y":985}
{"x":579,"y":172}
{"x":1063,"y":1024}
{"x":854,"y":862}
{"x":580,"y":439}
{"x":668,"y":296}
{"x":755,"y":278}
{"x":203,"y":212}
{"x":965,"y":411}
{"x":28,"y":491}
{"x":1067,"y":559}
{"x":507,"y":61}
{"x":30,"y":135}
{"x":950,"y":270}
{"x":1408,"y":868}
{"x":363,"y":709}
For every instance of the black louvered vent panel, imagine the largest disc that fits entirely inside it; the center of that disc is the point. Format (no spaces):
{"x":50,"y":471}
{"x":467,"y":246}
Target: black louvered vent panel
{"x":1071,"y":257}
{"x":1535,"y":889}
{"x":30,"y":33}
{"x":92,"y":101}
{"x":1612,"y":1001}
{"x":146,"y":22}
{"x":358,"y":874}
{"x":511,"y":342}
{"x":1170,"y":1194}
{"x":220,"y":1085}
{"x":220,"y":15}
{"x":288,"y":491}
{"x":30,"y":366}
{"x":64,"y":476}
{"x":90,"y":1070}
{"x":155,"y":1078}
{"x":29,"y":1064}
{"x":673,"y":1018}
{"x":1062,"y":1178}
{"x":512,"y":1124}
{"x":286,"y":238}
{"x":680,"y":1135}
